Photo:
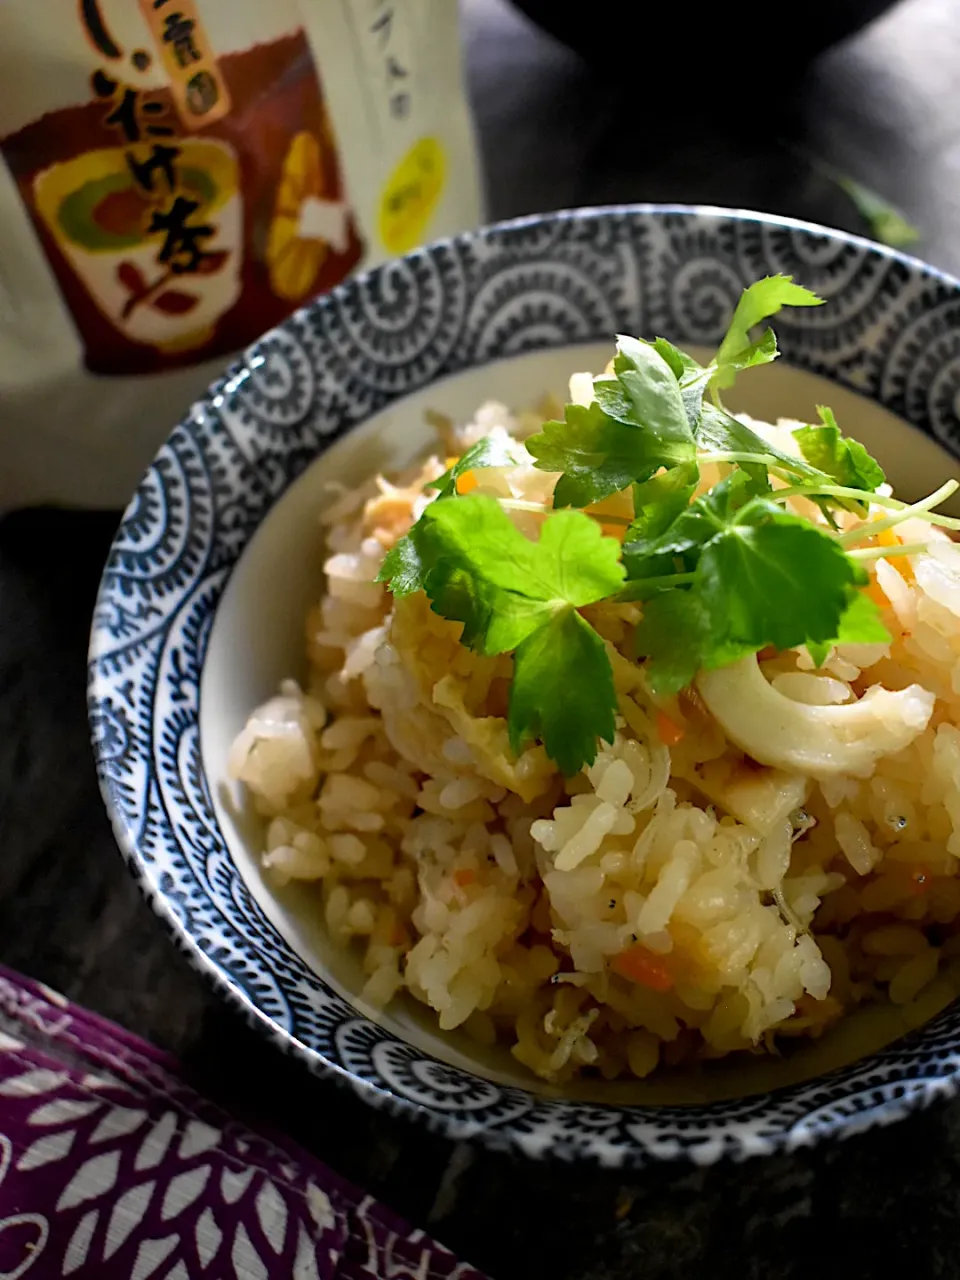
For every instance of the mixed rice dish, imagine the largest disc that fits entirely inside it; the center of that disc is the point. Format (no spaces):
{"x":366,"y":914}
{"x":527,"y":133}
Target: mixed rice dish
{"x":564,"y":828}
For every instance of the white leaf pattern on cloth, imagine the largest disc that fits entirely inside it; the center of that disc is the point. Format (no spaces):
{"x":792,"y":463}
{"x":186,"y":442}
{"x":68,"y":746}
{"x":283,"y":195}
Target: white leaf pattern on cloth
{"x":97,"y":1082}
{"x":197,"y":1137}
{"x":33,"y":1082}
{"x":127,"y":1215}
{"x":92,"y":1179}
{"x":369,"y":1235}
{"x":219,"y":1200}
{"x":321,"y":1210}
{"x":52,"y":1147}
{"x":247,"y":1264}
{"x":156,"y":1142}
{"x":305,"y":1265}
{"x":233,"y":1185}
{"x":79,"y":1245}
{"x":183,"y":1190}
{"x":117,"y":1123}
{"x":62,"y":1111}
{"x":151,"y":1254}
{"x":208,"y":1238}
{"x":272,"y":1215}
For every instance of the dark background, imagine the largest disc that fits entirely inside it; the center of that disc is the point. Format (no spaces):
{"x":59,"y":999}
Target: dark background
{"x":885,"y":109}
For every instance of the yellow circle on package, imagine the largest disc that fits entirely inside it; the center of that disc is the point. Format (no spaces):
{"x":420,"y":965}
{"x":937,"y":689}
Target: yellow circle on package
{"x":410,"y":196}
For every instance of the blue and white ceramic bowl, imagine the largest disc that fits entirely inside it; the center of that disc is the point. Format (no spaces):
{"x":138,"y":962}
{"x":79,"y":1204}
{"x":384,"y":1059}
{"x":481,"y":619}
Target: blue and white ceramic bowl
{"x":201,"y":607}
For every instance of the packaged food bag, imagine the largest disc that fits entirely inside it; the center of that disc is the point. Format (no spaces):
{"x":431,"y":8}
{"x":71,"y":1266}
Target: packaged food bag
{"x":176,"y":176}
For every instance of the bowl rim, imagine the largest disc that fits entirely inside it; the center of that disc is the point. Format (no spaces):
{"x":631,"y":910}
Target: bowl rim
{"x":910,"y":1096}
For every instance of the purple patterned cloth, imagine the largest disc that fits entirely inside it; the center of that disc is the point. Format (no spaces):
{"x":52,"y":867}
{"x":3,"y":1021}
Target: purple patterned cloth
{"x":111,"y":1167}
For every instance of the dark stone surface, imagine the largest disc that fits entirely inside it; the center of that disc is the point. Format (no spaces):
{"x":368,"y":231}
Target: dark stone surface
{"x":884,"y":109}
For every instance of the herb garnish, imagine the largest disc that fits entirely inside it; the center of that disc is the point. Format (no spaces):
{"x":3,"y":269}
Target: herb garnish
{"x":514,"y":595}
{"x":490,"y":451}
{"x":637,"y":424}
{"x":722,"y":571}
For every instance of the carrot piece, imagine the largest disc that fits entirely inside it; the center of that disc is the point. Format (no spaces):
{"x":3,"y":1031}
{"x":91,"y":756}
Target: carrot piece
{"x":637,"y":964}
{"x":668,"y":731}
{"x":467,"y":482}
{"x":612,"y":530}
{"x":464,"y":876}
{"x":888,"y":538}
{"x":877,"y":594}
{"x":619,"y":510}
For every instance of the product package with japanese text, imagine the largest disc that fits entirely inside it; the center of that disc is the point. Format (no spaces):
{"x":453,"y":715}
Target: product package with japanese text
{"x":177,"y":176}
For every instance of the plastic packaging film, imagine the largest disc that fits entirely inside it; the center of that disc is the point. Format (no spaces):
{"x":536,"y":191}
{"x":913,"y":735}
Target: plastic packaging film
{"x":177,"y":176}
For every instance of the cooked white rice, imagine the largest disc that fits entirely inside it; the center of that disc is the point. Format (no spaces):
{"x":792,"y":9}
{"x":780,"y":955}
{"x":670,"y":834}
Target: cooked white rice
{"x":674,"y":900}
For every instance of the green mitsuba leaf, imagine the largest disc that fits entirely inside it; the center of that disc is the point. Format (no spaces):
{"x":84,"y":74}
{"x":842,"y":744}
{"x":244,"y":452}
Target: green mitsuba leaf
{"x":491,"y":451}
{"x":757,"y":303}
{"x":637,"y":424}
{"x":515,"y":595}
{"x":845,"y":460}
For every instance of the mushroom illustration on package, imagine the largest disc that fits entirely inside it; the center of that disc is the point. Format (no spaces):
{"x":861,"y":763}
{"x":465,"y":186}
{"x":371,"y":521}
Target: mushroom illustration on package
{"x":177,"y":177}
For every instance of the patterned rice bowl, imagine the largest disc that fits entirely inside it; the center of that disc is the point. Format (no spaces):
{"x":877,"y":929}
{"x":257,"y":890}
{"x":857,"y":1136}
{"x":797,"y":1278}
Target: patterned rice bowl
{"x":217,"y":559}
